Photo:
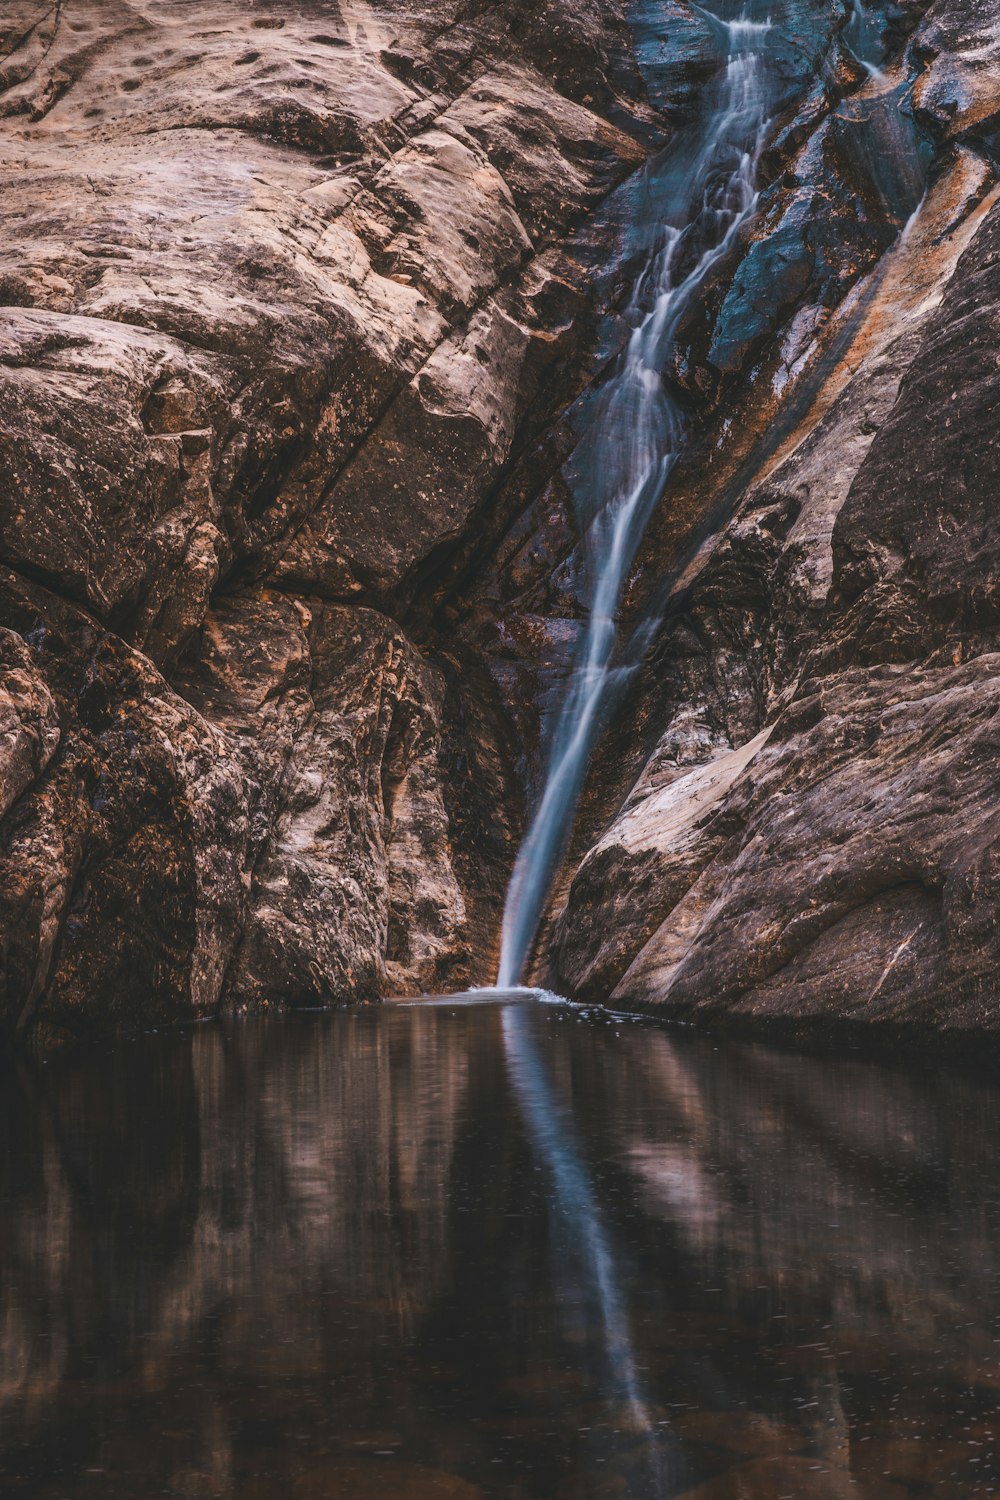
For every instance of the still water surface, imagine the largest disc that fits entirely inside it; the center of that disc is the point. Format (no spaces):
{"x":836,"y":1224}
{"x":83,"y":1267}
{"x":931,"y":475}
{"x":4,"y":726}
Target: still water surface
{"x":440,"y":1252}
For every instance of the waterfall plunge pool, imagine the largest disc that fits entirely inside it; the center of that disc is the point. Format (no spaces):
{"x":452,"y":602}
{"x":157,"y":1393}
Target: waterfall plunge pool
{"x":495,"y":1249}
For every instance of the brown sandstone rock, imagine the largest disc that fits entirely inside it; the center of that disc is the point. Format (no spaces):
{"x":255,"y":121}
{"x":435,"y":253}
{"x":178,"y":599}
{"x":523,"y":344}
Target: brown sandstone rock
{"x":123,"y":869}
{"x":294,"y":308}
{"x":278,"y":290}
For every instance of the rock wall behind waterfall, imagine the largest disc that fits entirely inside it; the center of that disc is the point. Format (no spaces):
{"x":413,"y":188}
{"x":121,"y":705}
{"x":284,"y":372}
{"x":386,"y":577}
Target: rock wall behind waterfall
{"x":814,"y":833}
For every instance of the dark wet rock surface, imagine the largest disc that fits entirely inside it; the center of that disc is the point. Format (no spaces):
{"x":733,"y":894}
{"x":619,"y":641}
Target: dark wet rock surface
{"x":812,"y":836}
{"x":871,"y":793}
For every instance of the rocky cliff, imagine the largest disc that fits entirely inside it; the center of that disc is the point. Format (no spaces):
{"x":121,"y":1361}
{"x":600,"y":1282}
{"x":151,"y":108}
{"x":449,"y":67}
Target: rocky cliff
{"x":284,"y":290}
{"x":813,"y":834}
{"x":300,"y":306}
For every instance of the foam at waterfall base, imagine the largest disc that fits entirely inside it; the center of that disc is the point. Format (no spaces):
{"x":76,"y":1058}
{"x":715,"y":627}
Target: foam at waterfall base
{"x":492,"y":995}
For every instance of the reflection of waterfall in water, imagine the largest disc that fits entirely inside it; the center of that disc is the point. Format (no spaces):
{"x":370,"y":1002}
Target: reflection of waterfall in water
{"x":702,"y":188}
{"x":551,"y":1133}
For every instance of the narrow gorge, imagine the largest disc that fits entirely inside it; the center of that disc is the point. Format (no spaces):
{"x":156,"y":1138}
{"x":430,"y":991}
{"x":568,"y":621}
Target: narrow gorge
{"x":421,"y":427}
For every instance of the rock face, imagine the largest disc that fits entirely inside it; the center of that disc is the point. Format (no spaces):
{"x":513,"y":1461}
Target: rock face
{"x":282,"y":290}
{"x":300,"y":311}
{"x":814,"y":837}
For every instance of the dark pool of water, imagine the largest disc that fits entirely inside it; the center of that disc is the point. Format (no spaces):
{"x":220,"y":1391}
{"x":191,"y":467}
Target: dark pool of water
{"x":442,"y":1252}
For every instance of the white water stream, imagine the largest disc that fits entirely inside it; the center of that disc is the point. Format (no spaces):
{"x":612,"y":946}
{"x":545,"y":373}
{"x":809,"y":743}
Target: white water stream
{"x":703,"y":186}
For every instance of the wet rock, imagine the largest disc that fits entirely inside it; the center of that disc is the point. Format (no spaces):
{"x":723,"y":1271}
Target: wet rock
{"x":830,"y":216}
{"x":846,"y":872}
{"x":675,"y":44}
{"x":839,"y":176}
{"x":957,"y":47}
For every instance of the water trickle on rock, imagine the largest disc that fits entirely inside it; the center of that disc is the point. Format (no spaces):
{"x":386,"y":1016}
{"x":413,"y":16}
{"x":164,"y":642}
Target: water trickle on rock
{"x":864,"y":38}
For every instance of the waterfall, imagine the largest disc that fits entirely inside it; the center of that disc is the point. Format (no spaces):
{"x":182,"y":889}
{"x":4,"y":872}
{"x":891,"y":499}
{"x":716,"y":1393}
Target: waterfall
{"x":702,"y":188}
{"x":864,"y":39}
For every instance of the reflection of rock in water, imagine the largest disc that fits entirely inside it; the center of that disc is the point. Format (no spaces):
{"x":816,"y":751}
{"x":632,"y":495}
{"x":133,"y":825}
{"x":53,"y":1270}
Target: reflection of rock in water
{"x":265,"y":1182}
{"x":835,"y":1218}
{"x":348,"y":1256}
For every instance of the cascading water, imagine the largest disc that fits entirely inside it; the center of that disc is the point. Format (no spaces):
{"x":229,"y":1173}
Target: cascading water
{"x":864,"y":39}
{"x":702,"y":188}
